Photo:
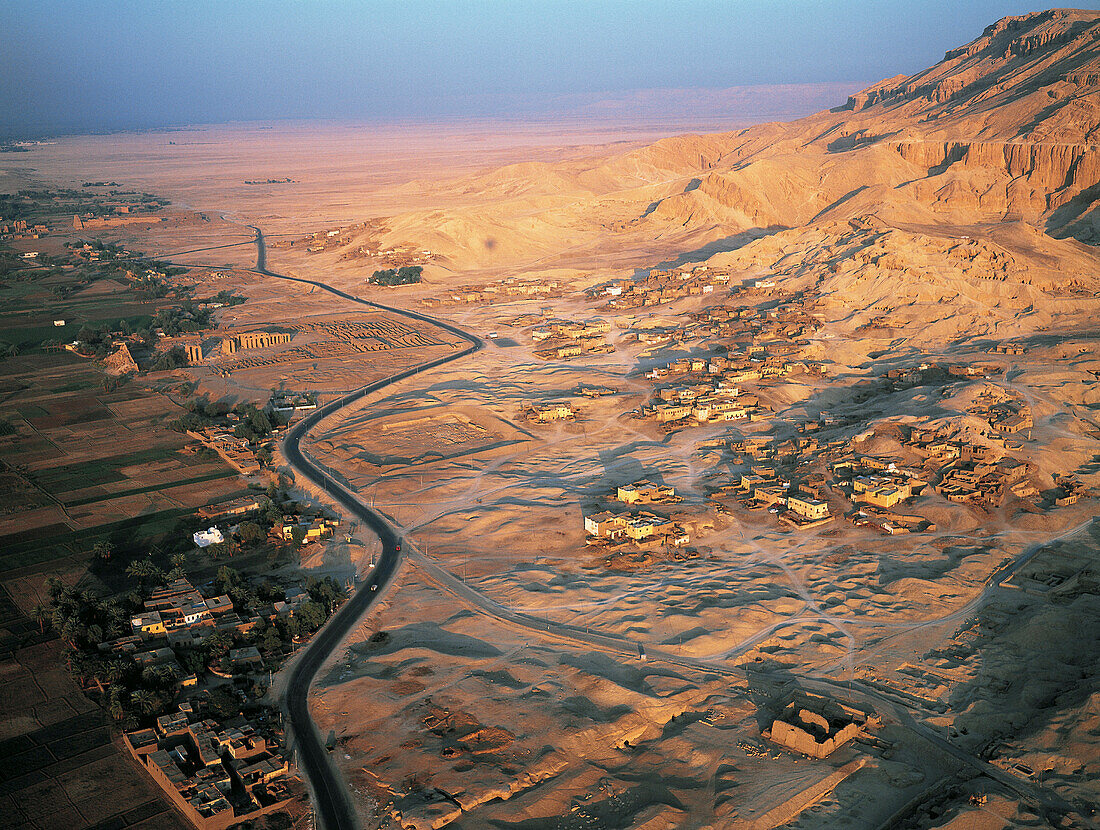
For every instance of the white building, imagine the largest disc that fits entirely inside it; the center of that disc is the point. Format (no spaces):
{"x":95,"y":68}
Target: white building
{"x":210,"y":536}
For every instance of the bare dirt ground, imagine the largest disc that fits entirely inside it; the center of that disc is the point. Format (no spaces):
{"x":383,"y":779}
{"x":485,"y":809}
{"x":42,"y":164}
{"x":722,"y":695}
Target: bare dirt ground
{"x":447,"y":713}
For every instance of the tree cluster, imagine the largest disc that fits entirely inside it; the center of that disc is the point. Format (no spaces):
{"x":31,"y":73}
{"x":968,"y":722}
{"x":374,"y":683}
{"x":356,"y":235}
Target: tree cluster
{"x":405,"y":275}
{"x":185,"y":318}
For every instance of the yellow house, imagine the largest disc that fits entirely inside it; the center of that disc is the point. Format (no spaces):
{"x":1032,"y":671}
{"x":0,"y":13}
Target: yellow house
{"x":808,"y":508}
{"x":883,"y":496}
{"x":879,"y":491}
{"x":148,"y":623}
{"x":313,"y":528}
{"x":605,"y":524}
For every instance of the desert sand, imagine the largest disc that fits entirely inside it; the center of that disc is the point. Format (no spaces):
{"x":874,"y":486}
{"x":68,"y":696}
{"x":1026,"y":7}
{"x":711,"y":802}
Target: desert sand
{"x":928,"y":220}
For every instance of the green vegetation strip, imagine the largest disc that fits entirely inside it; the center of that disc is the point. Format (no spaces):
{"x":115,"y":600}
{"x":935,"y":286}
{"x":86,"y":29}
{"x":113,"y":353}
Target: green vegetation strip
{"x":86,"y":473}
{"x":75,"y":542}
{"x":137,"y":491}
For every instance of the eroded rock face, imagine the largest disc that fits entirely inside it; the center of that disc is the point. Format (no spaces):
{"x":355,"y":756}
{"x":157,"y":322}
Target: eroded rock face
{"x":1012,"y":44}
{"x":1037,"y":177}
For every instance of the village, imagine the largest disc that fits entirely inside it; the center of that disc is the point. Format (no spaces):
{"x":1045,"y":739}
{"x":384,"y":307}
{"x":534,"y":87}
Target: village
{"x":175,"y":632}
{"x":195,"y":664}
{"x":346,"y":236}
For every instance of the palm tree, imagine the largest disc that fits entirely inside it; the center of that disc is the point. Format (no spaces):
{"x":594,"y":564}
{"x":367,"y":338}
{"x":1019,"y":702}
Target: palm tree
{"x":72,"y":631}
{"x":116,"y":670}
{"x":217,"y":644}
{"x":145,"y":701}
{"x":41,"y":614}
{"x":94,"y":633}
{"x":143,"y":570}
{"x":166,"y":675}
{"x":116,"y":710}
{"x":102,"y":550}
{"x":79,"y":666}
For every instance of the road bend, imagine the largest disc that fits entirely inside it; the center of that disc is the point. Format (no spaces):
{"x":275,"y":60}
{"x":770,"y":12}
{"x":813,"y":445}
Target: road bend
{"x":334,"y":808}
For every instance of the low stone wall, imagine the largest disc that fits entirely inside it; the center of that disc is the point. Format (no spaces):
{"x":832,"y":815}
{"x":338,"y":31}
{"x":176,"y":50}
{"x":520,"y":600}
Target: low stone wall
{"x":790,"y":808}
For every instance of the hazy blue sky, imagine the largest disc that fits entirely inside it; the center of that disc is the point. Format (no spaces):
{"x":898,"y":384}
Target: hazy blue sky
{"x":104,"y":64}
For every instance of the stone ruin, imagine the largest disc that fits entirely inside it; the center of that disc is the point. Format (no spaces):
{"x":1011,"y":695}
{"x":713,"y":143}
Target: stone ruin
{"x":815,"y":726}
{"x":120,"y":362}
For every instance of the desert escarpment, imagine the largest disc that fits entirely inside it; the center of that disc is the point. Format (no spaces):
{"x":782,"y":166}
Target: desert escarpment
{"x":1003,"y":129}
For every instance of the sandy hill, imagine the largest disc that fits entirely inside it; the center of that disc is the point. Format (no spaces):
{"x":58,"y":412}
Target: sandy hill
{"x":1002,"y":129}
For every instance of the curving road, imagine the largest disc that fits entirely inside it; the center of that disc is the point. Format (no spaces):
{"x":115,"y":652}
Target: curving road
{"x":333,"y":802}
{"x":334,"y":808}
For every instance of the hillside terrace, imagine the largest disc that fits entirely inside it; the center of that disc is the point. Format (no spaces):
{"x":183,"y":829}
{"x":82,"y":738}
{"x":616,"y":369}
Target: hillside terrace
{"x":658,"y":287}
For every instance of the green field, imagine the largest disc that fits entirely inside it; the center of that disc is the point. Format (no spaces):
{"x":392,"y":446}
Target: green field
{"x":17,"y":551}
{"x":137,"y":491}
{"x":69,"y":477}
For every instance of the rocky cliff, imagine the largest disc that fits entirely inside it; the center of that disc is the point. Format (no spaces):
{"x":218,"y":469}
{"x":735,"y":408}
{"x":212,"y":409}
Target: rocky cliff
{"x":1004,"y":128}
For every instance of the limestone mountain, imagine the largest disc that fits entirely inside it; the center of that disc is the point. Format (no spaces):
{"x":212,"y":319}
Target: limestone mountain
{"x":1002,"y":129}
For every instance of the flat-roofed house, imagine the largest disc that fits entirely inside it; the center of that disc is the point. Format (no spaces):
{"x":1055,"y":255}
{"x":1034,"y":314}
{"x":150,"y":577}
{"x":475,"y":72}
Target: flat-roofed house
{"x":605,"y":524}
{"x":808,"y":508}
{"x":643,"y":492}
{"x":148,"y":622}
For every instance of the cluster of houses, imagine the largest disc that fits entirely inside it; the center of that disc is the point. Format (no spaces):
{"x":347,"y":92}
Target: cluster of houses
{"x":927,"y":373}
{"x":972,"y":473}
{"x":964,"y":472}
{"x":968,"y":472}
{"x":309,"y":528}
{"x":750,"y":332}
{"x":179,"y":616}
{"x":236,"y":451}
{"x":691,"y":407}
{"x":800,"y":507}
{"x":708,"y":391}
{"x":530,"y":287}
{"x":756,"y":346}
{"x":319,"y":240}
{"x":292,"y":404}
{"x":342,"y":237}
{"x":658,"y":287}
{"x":1009,"y":347}
{"x":641,"y":528}
{"x":562,"y":339}
{"x":1007,"y":412}
{"x":544,"y":413}
{"x":646,"y":492}
{"x":877,"y":487}
{"x":216,"y":776}
{"x":644,"y":528}
{"x":297,"y":528}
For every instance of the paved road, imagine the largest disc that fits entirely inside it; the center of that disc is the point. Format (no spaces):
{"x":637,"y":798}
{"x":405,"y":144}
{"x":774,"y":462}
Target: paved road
{"x":333,"y":801}
{"x":334,"y":808}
